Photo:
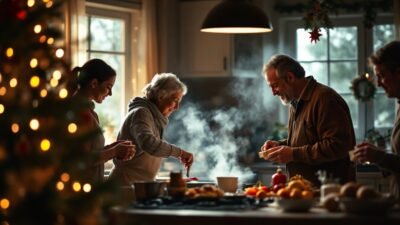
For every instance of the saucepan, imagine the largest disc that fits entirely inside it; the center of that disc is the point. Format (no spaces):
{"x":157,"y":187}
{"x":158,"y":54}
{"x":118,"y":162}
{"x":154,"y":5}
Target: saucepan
{"x":148,"y":189}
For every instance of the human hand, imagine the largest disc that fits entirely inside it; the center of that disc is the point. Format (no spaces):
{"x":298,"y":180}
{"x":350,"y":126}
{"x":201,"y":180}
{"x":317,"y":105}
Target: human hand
{"x":125,"y":150}
{"x":279,"y":154}
{"x":367,"y":152}
{"x":267,"y":145}
{"x":186,"y":158}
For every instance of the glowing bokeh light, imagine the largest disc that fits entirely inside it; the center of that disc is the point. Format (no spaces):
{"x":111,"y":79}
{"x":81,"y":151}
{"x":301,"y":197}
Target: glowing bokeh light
{"x":33,"y":63}
{"x":76,"y":186}
{"x":63,"y":93}
{"x":37,"y":28}
{"x":15,"y":128}
{"x":45,"y":145}
{"x":34,"y":124}
{"x":9,"y":52}
{"x":65,"y":177}
{"x":87,"y":188}
{"x":72,"y":128}
{"x":13,"y":82}
{"x":35,"y":81}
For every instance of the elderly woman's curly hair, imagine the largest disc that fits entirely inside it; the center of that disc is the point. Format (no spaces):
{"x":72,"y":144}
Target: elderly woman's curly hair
{"x":162,"y":86}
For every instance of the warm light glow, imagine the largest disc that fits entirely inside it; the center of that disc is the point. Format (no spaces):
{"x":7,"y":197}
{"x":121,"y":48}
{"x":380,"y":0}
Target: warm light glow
{"x":367,"y":75}
{"x":1,"y":78}
{"x":53,"y":82}
{"x":65,"y":177}
{"x":57,"y":74}
{"x":3,"y":91}
{"x":72,"y":128}
{"x":76,"y":186}
{"x":35,"y":81}
{"x":87,"y":188}
{"x":9,"y":52}
{"x":43,"y":93}
{"x":49,"y":3}
{"x":59,"y":53}
{"x":42,"y":39}
{"x":13,"y":82}
{"x":45,"y":145}
{"x":30,"y":3}
{"x":236,"y":30}
{"x":63,"y":93}
{"x":60,"y":186}
{"x":1,"y":108}
{"x":15,"y":128}
{"x":4,"y":203}
{"x":34,"y":124}
{"x":37,"y":28}
{"x":33,"y":63}
{"x":50,"y":41}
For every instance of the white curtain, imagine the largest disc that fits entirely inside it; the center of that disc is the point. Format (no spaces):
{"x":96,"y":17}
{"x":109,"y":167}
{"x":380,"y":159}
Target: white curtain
{"x":75,"y":31}
{"x":148,"y":47}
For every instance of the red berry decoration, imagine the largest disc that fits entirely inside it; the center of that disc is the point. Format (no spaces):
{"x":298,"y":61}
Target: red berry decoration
{"x":315,"y":34}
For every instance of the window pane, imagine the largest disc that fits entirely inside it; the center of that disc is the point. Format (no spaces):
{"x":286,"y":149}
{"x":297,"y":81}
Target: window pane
{"x":110,"y":110}
{"x":383,"y":34}
{"x":384,"y":111}
{"x":384,"y":107}
{"x":343,"y":43}
{"x":341,"y":75}
{"x":318,"y":70}
{"x":353,"y":106}
{"x":106,"y":34}
{"x":307,"y":51}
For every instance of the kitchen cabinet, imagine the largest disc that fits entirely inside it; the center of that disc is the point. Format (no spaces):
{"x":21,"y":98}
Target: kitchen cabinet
{"x":202,"y":54}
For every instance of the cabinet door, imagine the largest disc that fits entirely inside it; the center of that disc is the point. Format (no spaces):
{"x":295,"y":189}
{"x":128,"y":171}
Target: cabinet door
{"x":202,"y":54}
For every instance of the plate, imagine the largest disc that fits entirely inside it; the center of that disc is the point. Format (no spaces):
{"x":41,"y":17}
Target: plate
{"x":366,"y":206}
{"x":295,"y":205}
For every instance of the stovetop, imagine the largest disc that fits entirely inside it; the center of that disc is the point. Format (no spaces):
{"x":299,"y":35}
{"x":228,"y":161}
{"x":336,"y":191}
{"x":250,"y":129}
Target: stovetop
{"x":222,"y":203}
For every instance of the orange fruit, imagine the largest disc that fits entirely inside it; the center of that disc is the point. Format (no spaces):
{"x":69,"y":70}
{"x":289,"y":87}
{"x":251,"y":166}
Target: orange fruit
{"x":307,"y":194}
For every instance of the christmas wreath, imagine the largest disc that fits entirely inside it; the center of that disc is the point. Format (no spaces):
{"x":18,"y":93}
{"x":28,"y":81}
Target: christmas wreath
{"x":363,"y":88}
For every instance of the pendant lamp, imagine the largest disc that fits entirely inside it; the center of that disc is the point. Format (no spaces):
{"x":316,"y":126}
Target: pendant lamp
{"x":236,"y":16}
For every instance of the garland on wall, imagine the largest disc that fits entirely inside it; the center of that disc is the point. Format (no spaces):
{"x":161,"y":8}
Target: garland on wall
{"x":316,"y":12}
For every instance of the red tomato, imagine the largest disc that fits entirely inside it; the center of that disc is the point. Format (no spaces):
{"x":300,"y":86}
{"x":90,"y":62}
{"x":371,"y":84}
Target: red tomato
{"x":277,"y":187}
{"x":252,"y":191}
{"x":278,"y":178}
{"x":264,"y":188}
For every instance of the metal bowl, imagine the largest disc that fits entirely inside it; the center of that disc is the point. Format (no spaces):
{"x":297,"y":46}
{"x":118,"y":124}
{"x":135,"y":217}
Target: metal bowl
{"x":148,"y":189}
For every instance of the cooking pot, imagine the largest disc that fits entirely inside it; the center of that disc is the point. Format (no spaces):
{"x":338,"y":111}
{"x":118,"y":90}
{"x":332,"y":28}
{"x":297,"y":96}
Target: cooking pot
{"x":148,"y":189}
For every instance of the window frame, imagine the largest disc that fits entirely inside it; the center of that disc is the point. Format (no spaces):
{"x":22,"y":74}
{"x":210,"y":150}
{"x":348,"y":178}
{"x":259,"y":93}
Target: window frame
{"x":365,"y":39}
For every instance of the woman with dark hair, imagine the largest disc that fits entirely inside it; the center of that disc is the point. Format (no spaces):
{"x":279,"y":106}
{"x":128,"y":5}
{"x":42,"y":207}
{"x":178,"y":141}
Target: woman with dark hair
{"x":95,"y":82}
{"x":144,"y":125}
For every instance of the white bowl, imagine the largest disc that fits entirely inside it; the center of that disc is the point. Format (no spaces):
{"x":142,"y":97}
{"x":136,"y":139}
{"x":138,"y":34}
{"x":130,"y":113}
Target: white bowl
{"x":295,"y":205}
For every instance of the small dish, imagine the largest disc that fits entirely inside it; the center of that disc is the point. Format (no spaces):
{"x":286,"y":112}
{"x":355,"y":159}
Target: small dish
{"x":295,"y":205}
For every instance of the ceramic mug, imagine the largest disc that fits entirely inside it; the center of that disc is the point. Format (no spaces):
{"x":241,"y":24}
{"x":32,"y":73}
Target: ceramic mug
{"x":228,"y":183}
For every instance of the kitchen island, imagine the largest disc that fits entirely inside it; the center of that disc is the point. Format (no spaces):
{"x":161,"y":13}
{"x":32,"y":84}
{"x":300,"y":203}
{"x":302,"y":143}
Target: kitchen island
{"x":265,"y":215}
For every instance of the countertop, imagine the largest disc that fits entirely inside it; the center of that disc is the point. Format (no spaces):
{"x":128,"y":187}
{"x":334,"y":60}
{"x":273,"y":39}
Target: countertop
{"x":266,"y":215}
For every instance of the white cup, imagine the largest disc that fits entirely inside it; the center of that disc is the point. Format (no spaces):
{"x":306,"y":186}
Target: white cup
{"x":228,"y":184}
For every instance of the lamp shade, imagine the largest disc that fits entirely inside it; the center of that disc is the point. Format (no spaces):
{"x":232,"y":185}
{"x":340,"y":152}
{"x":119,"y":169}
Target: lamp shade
{"x":236,"y":16}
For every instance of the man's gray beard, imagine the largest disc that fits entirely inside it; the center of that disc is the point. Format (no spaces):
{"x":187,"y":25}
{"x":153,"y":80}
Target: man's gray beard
{"x":285,"y":102}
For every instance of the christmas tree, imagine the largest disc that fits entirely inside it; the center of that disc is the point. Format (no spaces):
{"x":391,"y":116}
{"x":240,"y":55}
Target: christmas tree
{"x":42,"y":128}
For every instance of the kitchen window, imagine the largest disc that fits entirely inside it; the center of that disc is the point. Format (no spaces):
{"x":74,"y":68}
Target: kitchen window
{"x":340,"y":56}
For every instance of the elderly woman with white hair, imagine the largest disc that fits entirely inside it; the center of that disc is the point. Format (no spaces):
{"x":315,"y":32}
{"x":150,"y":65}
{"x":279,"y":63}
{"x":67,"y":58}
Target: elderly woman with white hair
{"x":147,"y":117}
